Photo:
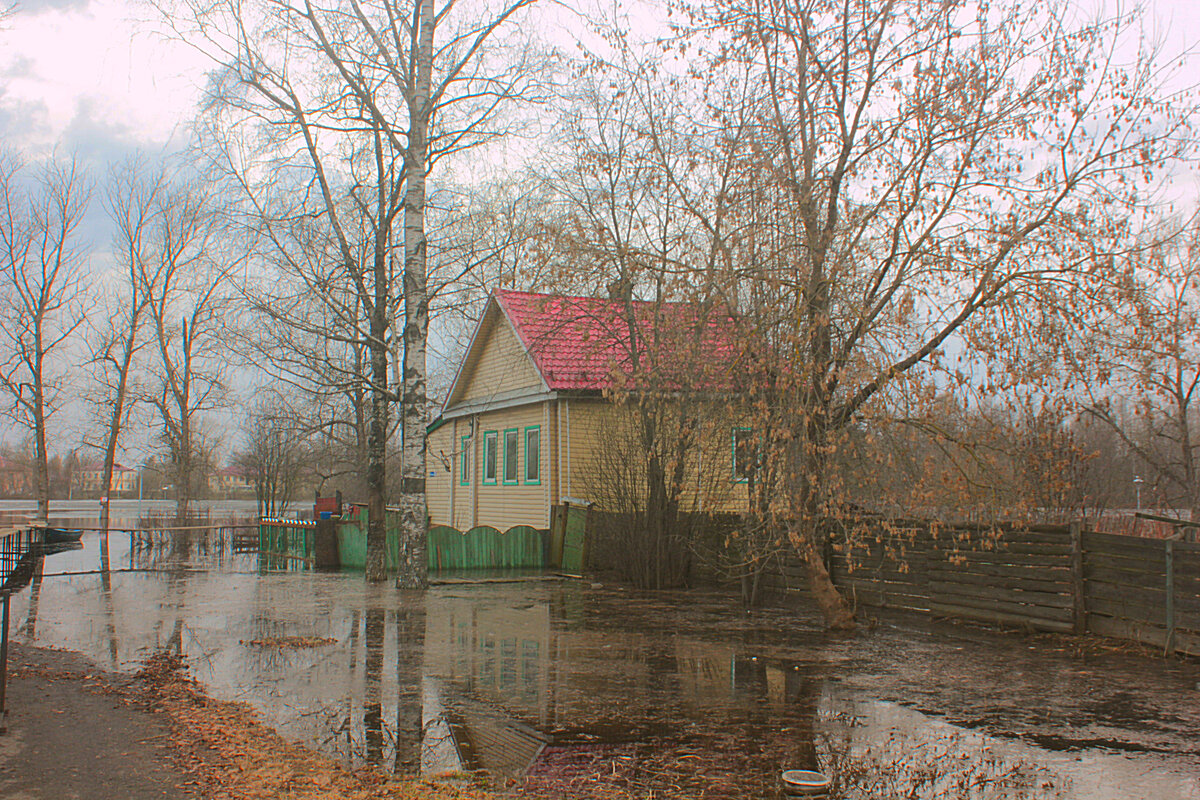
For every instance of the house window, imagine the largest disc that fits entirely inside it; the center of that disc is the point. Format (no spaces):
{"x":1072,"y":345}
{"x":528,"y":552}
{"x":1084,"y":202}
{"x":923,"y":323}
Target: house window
{"x":490,"y":442}
{"x":464,"y":462}
{"x":743,"y":454}
{"x":533,"y":454}
{"x":512,"y":445}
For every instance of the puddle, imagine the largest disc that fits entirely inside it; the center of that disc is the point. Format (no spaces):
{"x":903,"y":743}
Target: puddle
{"x":581,"y":690}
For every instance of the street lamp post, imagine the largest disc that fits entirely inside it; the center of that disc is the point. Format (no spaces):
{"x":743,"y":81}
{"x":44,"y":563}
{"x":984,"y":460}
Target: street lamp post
{"x":1137,"y":485}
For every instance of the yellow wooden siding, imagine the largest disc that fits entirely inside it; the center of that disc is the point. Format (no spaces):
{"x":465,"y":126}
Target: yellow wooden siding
{"x":502,"y":367}
{"x":439,"y":451}
{"x":591,"y":431}
{"x":464,"y":496}
{"x":501,"y":505}
{"x":599,"y":429}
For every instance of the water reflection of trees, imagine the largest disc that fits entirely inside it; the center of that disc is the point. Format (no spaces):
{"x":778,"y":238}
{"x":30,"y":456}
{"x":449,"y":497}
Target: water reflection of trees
{"x":193,"y":542}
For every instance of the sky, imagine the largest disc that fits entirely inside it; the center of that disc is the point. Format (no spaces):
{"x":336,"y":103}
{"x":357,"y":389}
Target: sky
{"x":98,"y":78}
{"x":101,"y":80}
{"x":95,"y":77}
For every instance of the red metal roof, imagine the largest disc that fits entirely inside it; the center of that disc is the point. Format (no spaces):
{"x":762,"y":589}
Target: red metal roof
{"x":585,"y":342}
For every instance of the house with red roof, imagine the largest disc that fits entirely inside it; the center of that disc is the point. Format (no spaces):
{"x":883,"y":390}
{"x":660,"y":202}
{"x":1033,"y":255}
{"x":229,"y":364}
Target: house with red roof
{"x":230,"y":481}
{"x":544,"y":390}
{"x":89,"y":479}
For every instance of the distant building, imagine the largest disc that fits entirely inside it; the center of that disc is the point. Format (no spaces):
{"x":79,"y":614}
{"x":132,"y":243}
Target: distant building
{"x":231,"y":480}
{"x":89,"y":479}
{"x":15,"y":479}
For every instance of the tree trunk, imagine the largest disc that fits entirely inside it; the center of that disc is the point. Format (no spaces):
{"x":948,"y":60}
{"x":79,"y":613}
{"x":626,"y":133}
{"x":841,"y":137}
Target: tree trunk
{"x":414,"y":516}
{"x":183,"y":467}
{"x":838,"y":614}
{"x":41,"y":466}
{"x":376,"y":564}
{"x":118,"y":414}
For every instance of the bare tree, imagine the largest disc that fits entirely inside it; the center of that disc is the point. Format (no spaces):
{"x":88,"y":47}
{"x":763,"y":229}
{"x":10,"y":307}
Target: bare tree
{"x":115,"y":333}
{"x":910,"y":172}
{"x":1139,"y":363}
{"x":346,"y":107}
{"x":183,"y":280}
{"x":41,"y":304}
{"x":273,"y":458}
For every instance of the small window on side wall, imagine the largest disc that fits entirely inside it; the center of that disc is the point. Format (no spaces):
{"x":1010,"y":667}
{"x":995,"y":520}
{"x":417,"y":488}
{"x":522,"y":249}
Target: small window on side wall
{"x":743,"y":454}
{"x":490,"y":442}
{"x":533,"y":455}
{"x":512,"y":449}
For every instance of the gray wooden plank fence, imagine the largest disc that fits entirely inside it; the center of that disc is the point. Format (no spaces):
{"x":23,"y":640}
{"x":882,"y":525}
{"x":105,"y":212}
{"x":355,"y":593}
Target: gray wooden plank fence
{"x":1044,"y":578}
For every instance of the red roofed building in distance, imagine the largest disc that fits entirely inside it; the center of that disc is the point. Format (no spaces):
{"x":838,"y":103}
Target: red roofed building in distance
{"x":231,"y":481}
{"x":540,"y":407}
{"x":89,"y":480}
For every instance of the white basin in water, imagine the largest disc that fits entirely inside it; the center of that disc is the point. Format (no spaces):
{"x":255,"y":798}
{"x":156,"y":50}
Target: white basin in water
{"x":804,"y":782}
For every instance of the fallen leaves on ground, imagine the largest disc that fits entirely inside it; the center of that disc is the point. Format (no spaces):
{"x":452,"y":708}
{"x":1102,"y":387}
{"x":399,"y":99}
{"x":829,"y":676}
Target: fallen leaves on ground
{"x":234,"y":756}
{"x":289,"y":642}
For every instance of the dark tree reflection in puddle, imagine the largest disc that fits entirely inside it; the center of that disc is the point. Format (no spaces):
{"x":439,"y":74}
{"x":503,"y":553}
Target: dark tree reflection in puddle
{"x":106,"y":589}
{"x":410,"y":646}
{"x":372,"y":691}
{"x":29,"y":629}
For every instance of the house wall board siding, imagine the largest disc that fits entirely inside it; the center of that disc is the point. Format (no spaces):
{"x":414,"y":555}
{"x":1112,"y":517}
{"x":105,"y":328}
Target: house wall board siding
{"x":552,"y":446}
{"x":500,"y":505}
{"x":595,"y":424}
{"x":502,"y":367}
{"x":464,"y":496}
{"x":439,"y":449}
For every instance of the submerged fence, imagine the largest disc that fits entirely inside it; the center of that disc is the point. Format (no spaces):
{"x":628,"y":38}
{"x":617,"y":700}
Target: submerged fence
{"x":1046,"y":578}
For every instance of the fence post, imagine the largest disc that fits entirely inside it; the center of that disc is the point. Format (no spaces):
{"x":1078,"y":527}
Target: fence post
{"x":1170,"y":587}
{"x":1078,"y":585}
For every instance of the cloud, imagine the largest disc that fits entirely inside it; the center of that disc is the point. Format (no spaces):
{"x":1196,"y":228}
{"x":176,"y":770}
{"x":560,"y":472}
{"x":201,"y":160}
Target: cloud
{"x":39,"y":6}
{"x":24,"y":124}
{"x":21,"y":67}
{"x":98,"y":134}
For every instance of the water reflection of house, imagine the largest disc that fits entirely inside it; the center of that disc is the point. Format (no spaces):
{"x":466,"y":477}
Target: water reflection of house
{"x":507,"y":691}
{"x":529,"y":420}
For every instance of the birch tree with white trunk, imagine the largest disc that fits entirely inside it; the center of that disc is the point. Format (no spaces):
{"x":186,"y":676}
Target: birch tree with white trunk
{"x":327,"y":119}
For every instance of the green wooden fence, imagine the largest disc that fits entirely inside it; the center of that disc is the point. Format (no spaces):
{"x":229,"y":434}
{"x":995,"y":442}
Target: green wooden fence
{"x":286,"y":543}
{"x":520,"y":547}
{"x":291,"y":543}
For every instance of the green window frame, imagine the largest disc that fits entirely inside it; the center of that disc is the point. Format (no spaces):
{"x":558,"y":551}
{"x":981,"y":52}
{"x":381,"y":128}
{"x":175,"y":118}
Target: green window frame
{"x":512,"y":455}
{"x":491,"y":446}
{"x":464,"y":462}
{"x":533,"y":464}
{"x":739,"y":472}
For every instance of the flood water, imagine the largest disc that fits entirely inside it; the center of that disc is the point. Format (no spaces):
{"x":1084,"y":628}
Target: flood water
{"x":571,"y":688}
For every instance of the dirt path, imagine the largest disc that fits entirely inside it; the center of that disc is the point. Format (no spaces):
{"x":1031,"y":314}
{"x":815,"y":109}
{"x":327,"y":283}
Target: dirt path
{"x":71,"y":736}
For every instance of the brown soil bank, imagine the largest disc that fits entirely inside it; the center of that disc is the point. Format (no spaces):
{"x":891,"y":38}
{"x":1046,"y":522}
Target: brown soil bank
{"x":76,"y":731}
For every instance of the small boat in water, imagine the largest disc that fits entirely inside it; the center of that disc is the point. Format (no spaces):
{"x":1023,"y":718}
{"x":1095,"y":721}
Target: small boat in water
{"x":59,"y":547}
{"x":61,"y":535}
